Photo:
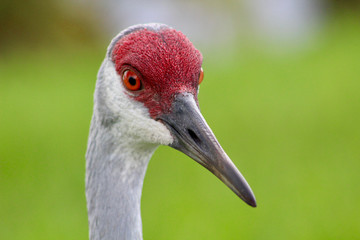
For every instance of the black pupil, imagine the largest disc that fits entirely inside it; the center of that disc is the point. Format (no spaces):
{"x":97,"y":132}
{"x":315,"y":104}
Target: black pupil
{"x":132,"y":81}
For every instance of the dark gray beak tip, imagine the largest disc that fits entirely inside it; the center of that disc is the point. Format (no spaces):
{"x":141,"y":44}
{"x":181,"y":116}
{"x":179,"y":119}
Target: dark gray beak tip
{"x":251,"y":201}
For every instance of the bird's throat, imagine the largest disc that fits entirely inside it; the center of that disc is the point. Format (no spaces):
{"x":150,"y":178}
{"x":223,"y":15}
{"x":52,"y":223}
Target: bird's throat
{"x":114,"y":180}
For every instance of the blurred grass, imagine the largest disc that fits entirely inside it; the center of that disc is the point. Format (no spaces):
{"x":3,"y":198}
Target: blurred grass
{"x":290,"y":123}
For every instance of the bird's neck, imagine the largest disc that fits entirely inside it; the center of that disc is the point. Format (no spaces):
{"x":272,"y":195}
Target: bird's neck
{"x":115,"y":171}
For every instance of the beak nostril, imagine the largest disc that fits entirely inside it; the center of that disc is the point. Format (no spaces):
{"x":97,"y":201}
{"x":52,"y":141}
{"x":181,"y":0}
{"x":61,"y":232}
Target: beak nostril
{"x":194,"y":136}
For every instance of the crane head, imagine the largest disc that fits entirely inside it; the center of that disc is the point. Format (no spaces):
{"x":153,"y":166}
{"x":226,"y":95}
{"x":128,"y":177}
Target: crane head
{"x":152,"y":74}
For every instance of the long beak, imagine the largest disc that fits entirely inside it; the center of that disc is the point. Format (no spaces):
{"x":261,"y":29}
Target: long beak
{"x":194,"y":137}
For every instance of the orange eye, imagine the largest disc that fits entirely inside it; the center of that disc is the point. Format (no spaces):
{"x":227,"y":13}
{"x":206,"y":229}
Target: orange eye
{"x":201,"y":75}
{"x":131,"y":80}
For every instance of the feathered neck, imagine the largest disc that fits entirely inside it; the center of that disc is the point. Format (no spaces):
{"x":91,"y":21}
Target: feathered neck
{"x":115,"y":173}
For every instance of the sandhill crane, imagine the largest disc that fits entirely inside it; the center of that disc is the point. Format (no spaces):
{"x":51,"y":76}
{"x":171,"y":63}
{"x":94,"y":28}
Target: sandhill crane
{"x":145,"y":96}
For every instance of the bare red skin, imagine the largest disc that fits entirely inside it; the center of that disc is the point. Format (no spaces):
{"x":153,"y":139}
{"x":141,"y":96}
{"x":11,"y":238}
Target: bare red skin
{"x":167,"y":63}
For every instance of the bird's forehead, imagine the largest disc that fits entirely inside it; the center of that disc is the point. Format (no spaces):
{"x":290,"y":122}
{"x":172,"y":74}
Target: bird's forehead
{"x":165,"y":57}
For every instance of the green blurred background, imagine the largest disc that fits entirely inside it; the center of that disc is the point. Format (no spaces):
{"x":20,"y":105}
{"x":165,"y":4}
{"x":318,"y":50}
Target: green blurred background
{"x":285,"y":105}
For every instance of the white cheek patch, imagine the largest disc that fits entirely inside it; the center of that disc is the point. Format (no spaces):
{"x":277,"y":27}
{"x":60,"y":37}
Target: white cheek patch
{"x":131,"y":118}
{"x":144,"y":130}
